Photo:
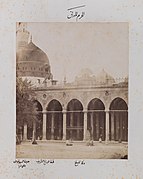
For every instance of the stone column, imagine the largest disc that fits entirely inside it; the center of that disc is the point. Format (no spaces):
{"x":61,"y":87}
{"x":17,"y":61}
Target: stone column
{"x":60,"y":126}
{"x":91,"y":125}
{"x":64,"y":124}
{"x":34,"y":131}
{"x":121,"y":126}
{"x":85,"y":125}
{"x":44,"y":125}
{"x":78,"y":124}
{"x":117,"y":126}
{"x":25,"y":132}
{"x":97,"y":132}
{"x":112,"y":126}
{"x":107,"y":127}
{"x":71,"y":125}
{"x":52,"y":126}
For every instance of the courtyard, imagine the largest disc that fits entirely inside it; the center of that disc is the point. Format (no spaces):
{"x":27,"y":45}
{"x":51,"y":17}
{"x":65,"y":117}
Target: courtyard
{"x":79,"y":150}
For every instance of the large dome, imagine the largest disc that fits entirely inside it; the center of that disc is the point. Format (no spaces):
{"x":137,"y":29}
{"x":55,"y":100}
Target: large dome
{"x":30,"y":53}
{"x":32,"y":62}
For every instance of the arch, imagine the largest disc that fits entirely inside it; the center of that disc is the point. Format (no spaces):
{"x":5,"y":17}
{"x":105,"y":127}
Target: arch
{"x":118,"y":120}
{"x":118,"y":104}
{"x":96,"y":104}
{"x":53,"y":98}
{"x":39,"y":101}
{"x":54,"y":105}
{"x":75,"y":121}
{"x":74,"y":105}
{"x":39,"y":122}
{"x":96,"y":119}
{"x":38,"y":105}
{"x":54,"y":120}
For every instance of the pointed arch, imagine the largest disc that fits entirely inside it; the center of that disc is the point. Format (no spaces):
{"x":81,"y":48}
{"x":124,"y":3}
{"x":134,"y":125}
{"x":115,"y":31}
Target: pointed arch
{"x":75,"y":121}
{"x":54,"y":120}
{"x":74,"y":105}
{"x":54,"y":105}
{"x":96,"y":104}
{"x":96,"y":119}
{"x":39,"y":122}
{"x":118,"y":120}
{"x":118,"y":104}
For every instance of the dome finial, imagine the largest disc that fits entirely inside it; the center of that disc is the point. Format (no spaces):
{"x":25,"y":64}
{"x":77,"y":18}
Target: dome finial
{"x":22,"y":26}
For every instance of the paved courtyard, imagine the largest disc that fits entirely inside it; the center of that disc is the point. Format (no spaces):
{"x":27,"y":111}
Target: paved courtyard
{"x":79,"y":150}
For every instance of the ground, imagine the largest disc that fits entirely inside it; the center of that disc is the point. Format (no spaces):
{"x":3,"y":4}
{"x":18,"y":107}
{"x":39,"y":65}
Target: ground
{"x":79,"y":150}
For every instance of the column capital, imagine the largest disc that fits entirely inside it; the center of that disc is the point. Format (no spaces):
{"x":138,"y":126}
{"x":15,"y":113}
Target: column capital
{"x":44,"y":111}
{"x":85,"y":110}
{"x":64,"y":111}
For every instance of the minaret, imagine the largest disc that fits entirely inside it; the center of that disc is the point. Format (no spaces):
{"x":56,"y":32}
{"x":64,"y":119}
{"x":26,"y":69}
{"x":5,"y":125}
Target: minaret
{"x":65,"y":79}
{"x":22,"y":35}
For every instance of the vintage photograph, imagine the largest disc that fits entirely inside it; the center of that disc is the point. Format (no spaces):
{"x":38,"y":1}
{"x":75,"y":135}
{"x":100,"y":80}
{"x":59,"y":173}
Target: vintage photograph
{"x":72,"y":90}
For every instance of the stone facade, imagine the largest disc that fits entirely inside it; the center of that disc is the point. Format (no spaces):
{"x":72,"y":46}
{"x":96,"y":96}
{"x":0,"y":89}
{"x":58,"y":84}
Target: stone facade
{"x":84,"y":95}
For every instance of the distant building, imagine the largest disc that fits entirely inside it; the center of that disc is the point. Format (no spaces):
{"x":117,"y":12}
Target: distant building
{"x":91,"y":104}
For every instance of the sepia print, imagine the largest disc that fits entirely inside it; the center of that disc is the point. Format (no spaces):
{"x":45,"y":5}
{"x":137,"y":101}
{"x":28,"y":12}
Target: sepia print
{"x":72,"y":90}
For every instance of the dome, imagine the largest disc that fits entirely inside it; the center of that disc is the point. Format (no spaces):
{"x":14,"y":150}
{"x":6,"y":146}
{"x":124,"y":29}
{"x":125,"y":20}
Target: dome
{"x":85,"y":77}
{"x":33,"y":62}
{"x":104,"y":78}
{"x":32,"y":53}
{"x":85,"y":72}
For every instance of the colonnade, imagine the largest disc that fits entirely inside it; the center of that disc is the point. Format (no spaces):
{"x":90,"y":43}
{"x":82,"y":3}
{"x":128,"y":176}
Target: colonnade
{"x":79,"y":123}
{"x":109,"y":125}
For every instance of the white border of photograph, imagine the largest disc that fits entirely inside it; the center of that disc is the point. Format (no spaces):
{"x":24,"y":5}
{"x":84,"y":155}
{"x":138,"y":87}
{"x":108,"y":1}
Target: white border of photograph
{"x":56,"y":11}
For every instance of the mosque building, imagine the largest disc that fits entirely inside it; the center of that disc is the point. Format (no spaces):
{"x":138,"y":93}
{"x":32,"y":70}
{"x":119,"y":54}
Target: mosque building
{"x":91,"y":104}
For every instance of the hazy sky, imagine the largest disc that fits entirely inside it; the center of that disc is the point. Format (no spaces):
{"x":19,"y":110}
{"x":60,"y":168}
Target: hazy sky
{"x":71,"y":47}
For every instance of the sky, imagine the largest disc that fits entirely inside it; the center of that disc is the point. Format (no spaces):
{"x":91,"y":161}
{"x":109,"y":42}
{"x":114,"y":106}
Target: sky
{"x":71,"y":47}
